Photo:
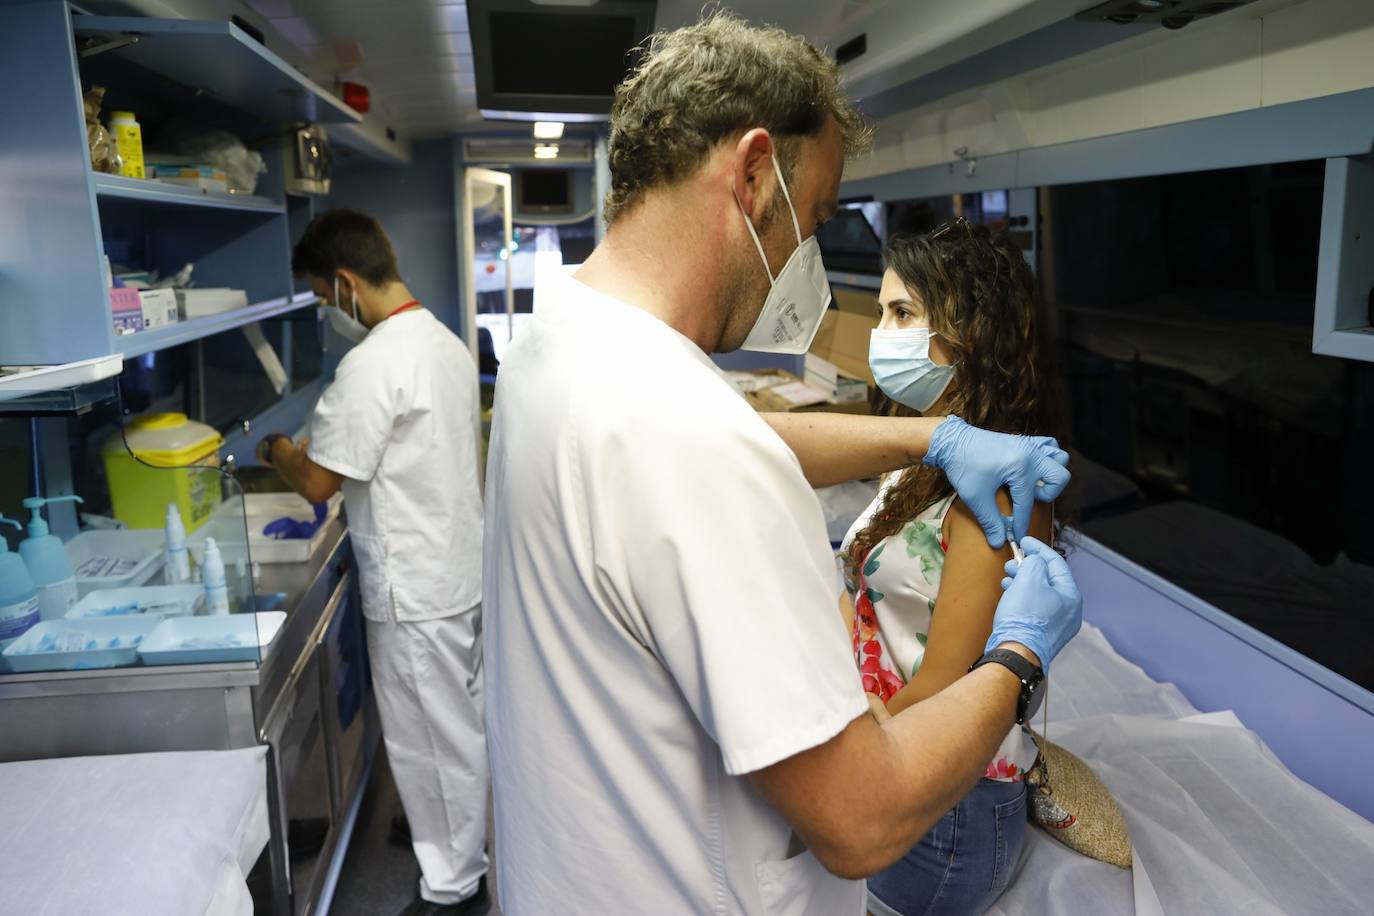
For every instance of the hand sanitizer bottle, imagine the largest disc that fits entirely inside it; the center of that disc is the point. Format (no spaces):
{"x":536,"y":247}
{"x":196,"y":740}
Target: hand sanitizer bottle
{"x":48,"y":562}
{"x":18,"y":596}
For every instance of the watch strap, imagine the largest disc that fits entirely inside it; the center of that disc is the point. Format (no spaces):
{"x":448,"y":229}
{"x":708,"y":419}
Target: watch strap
{"x":1030,"y":674}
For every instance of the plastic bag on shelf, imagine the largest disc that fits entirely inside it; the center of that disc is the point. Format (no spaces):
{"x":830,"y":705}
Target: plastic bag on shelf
{"x":217,"y":148}
{"x":104,"y":152}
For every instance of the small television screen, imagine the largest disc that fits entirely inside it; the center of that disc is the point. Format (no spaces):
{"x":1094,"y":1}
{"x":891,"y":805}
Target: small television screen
{"x":544,"y":191}
{"x":534,"y":59}
{"x":848,"y":243}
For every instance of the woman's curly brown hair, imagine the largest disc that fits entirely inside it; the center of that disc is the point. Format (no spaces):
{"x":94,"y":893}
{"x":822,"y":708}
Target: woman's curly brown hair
{"x":979,"y":296}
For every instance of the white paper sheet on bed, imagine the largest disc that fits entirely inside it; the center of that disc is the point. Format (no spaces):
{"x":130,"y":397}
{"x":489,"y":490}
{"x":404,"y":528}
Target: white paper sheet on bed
{"x":170,"y":834}
{"x":1219,"y":825}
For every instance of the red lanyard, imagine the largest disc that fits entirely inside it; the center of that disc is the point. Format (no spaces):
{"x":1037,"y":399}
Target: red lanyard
{"x":412,"y":304}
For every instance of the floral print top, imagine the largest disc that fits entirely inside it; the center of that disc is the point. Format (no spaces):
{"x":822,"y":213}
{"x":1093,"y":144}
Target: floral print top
{"x":894,"y":601}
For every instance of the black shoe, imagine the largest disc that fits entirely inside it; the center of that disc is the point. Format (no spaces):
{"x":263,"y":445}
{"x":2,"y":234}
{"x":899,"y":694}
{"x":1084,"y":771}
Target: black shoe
{"x":476,"y":905}
{"x":400,"y":829}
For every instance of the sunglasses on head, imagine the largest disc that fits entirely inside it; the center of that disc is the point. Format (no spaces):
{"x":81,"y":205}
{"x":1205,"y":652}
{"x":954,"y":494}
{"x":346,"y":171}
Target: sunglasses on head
{"x":958,"y":223}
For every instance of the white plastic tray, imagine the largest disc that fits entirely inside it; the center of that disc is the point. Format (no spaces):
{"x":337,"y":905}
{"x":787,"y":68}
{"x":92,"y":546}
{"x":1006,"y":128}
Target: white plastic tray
{"x":17,"y":381}
{"x":163,"y":600}
{"x":264,"y":508}
{"x":120,"y":558}
{"x":168,"y":645}
{"x":102,"y":630}
{"x":260,"y":509}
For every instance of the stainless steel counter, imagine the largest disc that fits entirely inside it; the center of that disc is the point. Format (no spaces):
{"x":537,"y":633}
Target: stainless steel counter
{"x":307,"y":700}
{"x":89,"y":724}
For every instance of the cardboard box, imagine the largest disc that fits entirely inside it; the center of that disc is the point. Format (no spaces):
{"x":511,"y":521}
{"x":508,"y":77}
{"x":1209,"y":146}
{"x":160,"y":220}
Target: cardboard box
{"x":200,"y":177}
{"x":825,"y":375}
{"x":197,"y":303}
{"x":856,"y":301}
{"x":786,"y":393}
{"x":843,"y":341}
{"x":159,"y":307}
{"x":127,"y":310}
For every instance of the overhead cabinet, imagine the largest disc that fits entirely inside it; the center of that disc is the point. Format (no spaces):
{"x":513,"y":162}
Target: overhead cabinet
{"x":61,"y":218}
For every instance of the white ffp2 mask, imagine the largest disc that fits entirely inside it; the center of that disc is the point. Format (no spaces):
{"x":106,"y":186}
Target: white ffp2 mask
{"x":346,"y":326}
{"x":799,"y":295}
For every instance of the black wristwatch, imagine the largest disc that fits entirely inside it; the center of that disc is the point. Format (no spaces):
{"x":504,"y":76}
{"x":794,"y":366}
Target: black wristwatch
{"x":264,"y":449}
{"x":1032,"y":678}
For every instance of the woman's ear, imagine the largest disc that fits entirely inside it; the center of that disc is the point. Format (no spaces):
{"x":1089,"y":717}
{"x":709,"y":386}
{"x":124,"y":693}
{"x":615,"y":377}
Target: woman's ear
{"x":941,"y":352}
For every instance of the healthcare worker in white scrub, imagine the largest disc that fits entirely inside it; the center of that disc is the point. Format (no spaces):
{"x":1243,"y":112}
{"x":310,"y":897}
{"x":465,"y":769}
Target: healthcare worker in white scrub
{"x":396,"y":432}
{"x":675,"y":721}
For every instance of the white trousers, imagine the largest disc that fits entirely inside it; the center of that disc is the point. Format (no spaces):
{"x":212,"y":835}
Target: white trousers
{"x":428,"y":681}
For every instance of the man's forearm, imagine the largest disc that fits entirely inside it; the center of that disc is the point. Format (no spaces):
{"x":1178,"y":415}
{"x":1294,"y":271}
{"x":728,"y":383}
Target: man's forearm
{"x":286,"y":458}
{"x":835,"y":447}
{"x":937,"y":751}
{"x":301,"y":474}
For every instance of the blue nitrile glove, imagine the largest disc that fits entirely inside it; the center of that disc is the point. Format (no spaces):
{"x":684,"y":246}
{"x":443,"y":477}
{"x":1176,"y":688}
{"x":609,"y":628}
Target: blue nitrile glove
{"x":1041,"y":607}
{"x":978,"y":463}
{"x":287,"y":528}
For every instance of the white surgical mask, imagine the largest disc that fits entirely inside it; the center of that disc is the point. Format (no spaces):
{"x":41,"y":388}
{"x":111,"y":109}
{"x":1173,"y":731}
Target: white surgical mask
{"x":903,"y":369}
{"x":799,"y":296}
{"x":347,"y":326}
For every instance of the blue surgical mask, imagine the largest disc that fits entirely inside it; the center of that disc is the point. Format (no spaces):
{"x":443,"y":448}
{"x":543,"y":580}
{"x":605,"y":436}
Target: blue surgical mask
{"x":903,"y":369}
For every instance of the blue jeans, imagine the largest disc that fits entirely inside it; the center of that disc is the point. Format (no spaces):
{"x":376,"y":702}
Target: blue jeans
{"x":963,"y":864}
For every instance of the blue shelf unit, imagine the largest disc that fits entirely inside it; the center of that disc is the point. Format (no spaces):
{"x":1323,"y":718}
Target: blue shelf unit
{"x":61,"y":218}
{"x":117,"y":187}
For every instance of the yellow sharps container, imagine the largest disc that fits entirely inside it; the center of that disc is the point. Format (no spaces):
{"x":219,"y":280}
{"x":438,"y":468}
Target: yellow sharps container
{"x":169,"y":442}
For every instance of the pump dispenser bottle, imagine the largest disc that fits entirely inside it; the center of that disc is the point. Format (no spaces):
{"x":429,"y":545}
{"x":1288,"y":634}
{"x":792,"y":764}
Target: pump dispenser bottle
{"x":216,"y":590}
{"x":178,"y":558}
{"x":48,"y":562}
{"x":18,"y":596}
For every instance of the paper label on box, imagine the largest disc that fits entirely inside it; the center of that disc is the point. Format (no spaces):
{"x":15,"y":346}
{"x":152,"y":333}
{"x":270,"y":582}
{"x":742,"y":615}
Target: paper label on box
{"x":159,"y":307}
{"x":800,"y":394}
{"x":748,"y":382}
{"x":105,"y":568}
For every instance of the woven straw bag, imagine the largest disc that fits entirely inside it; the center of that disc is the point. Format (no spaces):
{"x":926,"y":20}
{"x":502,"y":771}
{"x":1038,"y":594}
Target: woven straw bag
{"x":1076,"y":809}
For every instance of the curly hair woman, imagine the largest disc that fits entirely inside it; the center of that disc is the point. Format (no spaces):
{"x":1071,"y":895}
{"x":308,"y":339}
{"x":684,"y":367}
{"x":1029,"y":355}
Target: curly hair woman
{"x":958,"y":335}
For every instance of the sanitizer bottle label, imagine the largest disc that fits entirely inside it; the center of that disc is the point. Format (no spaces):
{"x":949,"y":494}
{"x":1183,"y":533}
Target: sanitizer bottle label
{"x":15,"y":620}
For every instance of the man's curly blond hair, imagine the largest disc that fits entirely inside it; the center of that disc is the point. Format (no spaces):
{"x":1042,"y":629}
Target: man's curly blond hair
{"x":699,"y":85}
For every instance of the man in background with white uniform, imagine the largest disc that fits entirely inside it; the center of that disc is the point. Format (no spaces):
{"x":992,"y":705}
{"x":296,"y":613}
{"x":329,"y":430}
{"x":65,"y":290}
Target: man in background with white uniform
{"x":675,"y":719}
{"x":396,"y":431}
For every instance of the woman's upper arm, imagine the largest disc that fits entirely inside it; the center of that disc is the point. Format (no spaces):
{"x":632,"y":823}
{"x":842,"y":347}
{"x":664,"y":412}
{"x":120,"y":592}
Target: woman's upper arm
{"x":970,"y":587}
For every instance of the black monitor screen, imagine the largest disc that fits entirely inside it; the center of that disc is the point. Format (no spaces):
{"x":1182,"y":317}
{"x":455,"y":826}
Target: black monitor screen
{"x":555,"y":54}
{"x":849,"y":243}
{"x":545,"y":189}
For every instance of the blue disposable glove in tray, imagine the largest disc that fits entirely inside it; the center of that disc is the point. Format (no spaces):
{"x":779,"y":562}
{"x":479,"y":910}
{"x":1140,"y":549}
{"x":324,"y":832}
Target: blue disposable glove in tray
{"x":287,"y":528}
{"x":1041,"y":607}
{"x":978,"y":463}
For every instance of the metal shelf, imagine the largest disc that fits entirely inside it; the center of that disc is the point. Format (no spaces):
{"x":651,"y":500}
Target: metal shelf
{"x":222,"y":61}
{"x":131,"y":345}
{"x":159,"y":193}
